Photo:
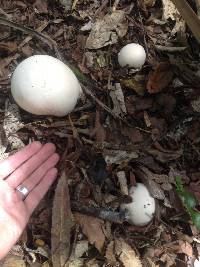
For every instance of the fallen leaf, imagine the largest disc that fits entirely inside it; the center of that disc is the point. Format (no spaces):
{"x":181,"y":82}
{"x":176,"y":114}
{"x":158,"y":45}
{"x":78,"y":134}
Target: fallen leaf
{"x":99,"y":131}
{"x":81,"y":248}
{"x":153,"y":187}
{"x":4,"y":65}
{"x":61,"y":223}
{"x":66,"y":4}
{"x":133,"y":134}
{"x":171,"y":12}
{"x":75,"y":263}
{"x":117,"y":97}
{"x":93,"y":228}
{"x":7,"y":47}
{"x":110,"y":254}
{"x":126,"y":254}
{"x":118,"y":156}
{"x":169,"y":260}
{"x":41,"y":6}
{"x":185,"y":248}
{"x":122,"y":182}
{"x":92,"y":263}
{"x":160,"y":78}
{"x":136,"y":83}
{"x":145,"y":4}
{"x":11,"y":124}
{"x":164,"y":155}
{"x":13,"y":261}
{"x":107,"y":30}
{"x":196,"y":104}
{"x":159,"y":178}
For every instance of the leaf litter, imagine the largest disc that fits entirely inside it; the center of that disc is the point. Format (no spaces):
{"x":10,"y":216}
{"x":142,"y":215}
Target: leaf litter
{"x":129,"y":127}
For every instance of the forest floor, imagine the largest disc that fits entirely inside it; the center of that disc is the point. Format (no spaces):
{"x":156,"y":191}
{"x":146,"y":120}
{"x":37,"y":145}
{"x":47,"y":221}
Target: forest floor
{"x":128,"y":127}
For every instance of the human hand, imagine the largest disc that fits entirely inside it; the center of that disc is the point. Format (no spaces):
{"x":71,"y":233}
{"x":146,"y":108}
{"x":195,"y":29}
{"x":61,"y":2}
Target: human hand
{"x":32,"y":167}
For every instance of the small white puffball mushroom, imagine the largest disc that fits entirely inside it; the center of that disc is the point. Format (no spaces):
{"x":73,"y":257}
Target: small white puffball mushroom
{"x":44,"y":85}
{"x":132,"y":56}
{"x":142,"y":208}
{"x":197,"y":262}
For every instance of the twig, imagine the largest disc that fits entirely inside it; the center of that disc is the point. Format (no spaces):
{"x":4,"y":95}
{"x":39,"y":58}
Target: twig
{"x":198,"y":7}
{"x":46,"y":39}
{"x":101,"y":104}
{"x":104,"y":214}
{"x":29,"y":38}
{"x":4,"y":13}
{"x":189,"y":16}
{"x":99,"y":10}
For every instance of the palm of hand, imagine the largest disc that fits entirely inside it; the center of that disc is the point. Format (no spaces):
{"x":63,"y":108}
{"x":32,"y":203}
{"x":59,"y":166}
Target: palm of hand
{"x":34,"y":168}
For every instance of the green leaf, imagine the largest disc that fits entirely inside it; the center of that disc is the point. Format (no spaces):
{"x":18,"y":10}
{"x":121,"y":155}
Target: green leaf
{"x":189,"y":202}
{"x":195,"y":216}
{"x":179,"y":186}
{"x":189,"y":199}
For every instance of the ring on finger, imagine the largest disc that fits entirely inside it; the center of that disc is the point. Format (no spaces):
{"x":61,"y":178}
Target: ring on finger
{"x":23,"y":190}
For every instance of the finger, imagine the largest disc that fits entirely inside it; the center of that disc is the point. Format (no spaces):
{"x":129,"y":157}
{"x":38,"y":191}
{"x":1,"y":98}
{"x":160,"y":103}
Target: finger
{"x":37,"y":175}
{"x":18,"y":176}
{"x":8,"y":165}
{"x":40,"y":190}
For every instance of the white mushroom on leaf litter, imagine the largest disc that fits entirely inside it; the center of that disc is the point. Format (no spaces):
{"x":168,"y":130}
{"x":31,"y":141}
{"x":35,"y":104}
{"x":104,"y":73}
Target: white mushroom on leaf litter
{"x":132,"y":56}
{"x":44,"y":85}
{"x":142,"y":208}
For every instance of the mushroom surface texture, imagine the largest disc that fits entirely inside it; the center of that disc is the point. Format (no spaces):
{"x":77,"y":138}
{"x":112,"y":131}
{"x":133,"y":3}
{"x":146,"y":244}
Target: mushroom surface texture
{"x":44,"y":85}
{"x":132,"y":56}
{"x":142,"y":208}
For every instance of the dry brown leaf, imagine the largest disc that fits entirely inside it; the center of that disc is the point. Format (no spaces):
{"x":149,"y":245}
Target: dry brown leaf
{"x":117,"y":97}
{"x":171,"y":12}
{"x":110,"y":254}
{"x":4,"y":63}
{"x":118,"y":156}
{"x":8,"y":47}
{"x":11,"y":124}
{"x":185,"y":248}
{"x":121,"y":175}
{"x":160,"y":78}
{"x":189,"y":16}
{"x":99,"y":131}
{"x":137,"y":83}
{"x":107,"y":30}
{"x":145,"y":4}
{"x":164,"y":155}
{"x":13,"y":261}
{"x":93,"y":228}
{"x":162,"y":179}
{"x":61,"y":223}
{"x":169,"y":260}
{"x":126,"y":254}
{"x":41,"y":6}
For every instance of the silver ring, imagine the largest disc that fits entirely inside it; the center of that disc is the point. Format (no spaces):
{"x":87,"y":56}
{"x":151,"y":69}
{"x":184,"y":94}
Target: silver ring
{"x":23,"y":190}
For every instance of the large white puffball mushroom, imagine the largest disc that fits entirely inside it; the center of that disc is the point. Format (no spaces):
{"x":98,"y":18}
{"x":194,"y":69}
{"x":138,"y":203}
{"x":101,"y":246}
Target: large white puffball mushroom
{"x":132,"y":56}
{"x":43,"y":85}
{"x":142,"y":208}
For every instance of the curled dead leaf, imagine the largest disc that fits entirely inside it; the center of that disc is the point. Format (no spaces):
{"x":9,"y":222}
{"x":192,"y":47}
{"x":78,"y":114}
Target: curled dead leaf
{"x":160,"y":78}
